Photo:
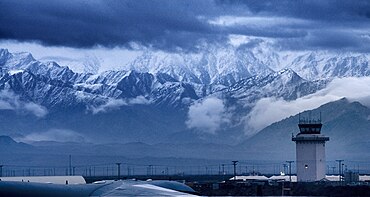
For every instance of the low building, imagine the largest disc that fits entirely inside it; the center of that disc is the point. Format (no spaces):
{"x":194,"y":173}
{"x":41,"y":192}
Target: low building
{"x":47,"y":179}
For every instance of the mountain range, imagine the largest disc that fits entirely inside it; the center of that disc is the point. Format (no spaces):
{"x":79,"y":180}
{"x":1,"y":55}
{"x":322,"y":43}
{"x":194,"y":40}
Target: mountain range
{"x":157,"y":99}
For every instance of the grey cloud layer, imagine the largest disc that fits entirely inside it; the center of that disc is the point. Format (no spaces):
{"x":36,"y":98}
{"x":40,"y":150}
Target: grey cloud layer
{"x":11,"y":101}
{"x":172,"y":25}
{"x":270,"y":110}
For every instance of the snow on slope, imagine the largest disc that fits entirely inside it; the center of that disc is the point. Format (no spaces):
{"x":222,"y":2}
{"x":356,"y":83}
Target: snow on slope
{"x":240,"y":76}
{"x":238,"y":71}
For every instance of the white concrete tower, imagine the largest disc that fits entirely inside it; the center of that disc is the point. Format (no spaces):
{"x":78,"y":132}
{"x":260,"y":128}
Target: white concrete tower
{"x":310,"y":151}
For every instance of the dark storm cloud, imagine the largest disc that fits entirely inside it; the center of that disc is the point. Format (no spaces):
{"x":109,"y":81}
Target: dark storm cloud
{"x":322,"y":10}
{"x":332,"y":24}
{"x":163,"y":24}
{"x":175,"y":24}
{"x":328,"y":40}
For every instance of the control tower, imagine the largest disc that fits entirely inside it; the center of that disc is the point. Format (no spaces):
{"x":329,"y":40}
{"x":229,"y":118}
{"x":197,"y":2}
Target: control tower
{"x":310,"y":151}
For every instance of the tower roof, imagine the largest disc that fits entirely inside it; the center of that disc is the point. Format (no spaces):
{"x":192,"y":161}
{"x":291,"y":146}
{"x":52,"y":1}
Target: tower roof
{"x":309,"y":126}
{"x":310,"y":130}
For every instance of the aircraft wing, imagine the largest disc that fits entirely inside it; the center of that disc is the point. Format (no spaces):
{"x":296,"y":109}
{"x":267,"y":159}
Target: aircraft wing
{"x":102,"y":188}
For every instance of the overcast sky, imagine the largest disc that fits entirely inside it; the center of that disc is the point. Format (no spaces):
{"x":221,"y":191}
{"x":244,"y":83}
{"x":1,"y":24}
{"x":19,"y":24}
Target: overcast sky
{"x":116,"y":31}
{"x":173,"y":25}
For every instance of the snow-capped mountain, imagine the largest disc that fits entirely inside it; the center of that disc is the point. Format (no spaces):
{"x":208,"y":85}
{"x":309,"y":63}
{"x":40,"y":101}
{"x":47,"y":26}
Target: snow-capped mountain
{"x":156,"y":90}
{"x":285,"y":84}
{"x":214,"y":65}
{"x":51,"y":84}
{"x":45,"y":82}
{"x":226,"y":65}
{"x":324,"y":65}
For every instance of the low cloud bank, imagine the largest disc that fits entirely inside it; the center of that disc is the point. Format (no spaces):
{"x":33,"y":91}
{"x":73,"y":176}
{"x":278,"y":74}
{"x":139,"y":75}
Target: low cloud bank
{"x":207,"y":115}
{"x":114,"y":104}
{"x":56,"y":135}
{"x":270,"y":110}
{"x":11,"y":101}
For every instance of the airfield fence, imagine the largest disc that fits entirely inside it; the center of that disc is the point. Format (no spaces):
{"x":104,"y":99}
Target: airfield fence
{"x":132,"y":169}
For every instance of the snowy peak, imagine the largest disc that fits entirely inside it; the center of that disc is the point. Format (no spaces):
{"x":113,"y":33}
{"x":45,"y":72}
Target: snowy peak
{"x":323,"y":65}
{"x":136,"y":84}
{"x":15,"y":61}
{"x":4,"y":56}
{"x":285,"y":84}
{"x":215,"y":65}
{"x":285,"y":76}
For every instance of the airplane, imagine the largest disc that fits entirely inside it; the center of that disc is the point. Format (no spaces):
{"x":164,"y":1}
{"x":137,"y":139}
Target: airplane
{"x":100,"y":188}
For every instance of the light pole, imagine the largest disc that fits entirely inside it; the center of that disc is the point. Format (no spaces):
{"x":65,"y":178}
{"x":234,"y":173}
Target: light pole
{"x":285,"y":170}
{"x":290,"y":170}
{"x":70,"y":165}
{"x":340,"y":168}
{"x":342,"y":172}
{"x":118,"y":170}
{"x":333,"y":169}
{"x":234,"y":164}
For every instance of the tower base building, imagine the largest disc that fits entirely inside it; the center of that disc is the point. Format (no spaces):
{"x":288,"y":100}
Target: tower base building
{"x":310,"y":151}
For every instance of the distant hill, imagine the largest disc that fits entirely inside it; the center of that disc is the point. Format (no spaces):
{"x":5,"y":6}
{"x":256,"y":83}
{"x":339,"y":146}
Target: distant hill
{"x":346,"y":123}
{"x":7,"y":144}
